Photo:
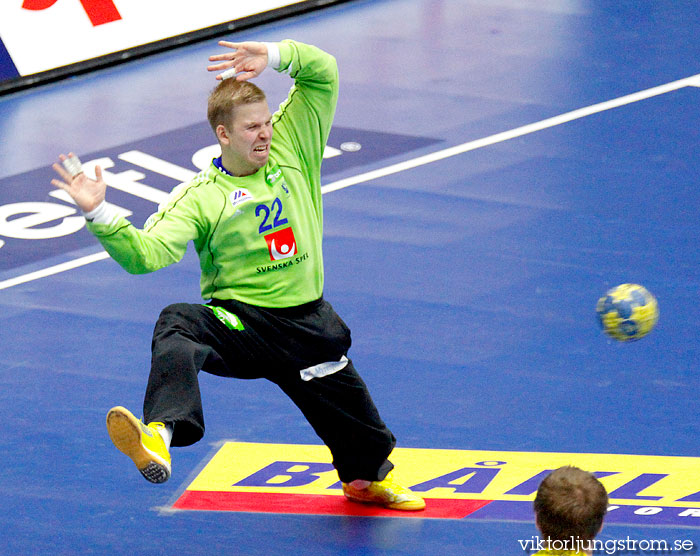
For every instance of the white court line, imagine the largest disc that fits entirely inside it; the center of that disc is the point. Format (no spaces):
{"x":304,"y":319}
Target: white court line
{"x":693,"y":81}
{"x":44,"y":272}
{"x":513,"y":133}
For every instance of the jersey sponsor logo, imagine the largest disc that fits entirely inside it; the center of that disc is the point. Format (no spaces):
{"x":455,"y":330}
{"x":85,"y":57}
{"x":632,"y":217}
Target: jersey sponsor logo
{"x":240,"y":196}
{"x":275,"y":177}
{"x":285,"y":263}
{"x":457,"y":484}
{"x":281,"y":244}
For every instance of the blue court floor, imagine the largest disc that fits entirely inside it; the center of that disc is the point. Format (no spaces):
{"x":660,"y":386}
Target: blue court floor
{"x":468,"y":235}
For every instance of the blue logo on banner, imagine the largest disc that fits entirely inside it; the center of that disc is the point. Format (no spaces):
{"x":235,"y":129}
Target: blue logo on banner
{"x":7,"y":67}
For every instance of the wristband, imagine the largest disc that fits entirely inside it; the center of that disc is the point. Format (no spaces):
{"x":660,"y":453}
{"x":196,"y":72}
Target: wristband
{"x":104,"y":213}
{"x":273,"y":55}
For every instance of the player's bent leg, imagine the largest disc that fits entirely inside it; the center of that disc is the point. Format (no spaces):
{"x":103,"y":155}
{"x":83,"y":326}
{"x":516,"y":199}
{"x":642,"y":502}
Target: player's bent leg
{"x":142,"y":443}
{"x":387,"y":493}
{"x":187,"y":338}
{"x":341,"y":411}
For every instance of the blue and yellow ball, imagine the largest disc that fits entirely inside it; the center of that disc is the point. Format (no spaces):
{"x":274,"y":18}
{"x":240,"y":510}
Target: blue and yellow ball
{"x":627,"y":312}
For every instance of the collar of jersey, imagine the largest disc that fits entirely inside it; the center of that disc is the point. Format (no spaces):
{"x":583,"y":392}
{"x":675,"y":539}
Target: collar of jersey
{"x":217,"y":162}
{"x":219,"y":165}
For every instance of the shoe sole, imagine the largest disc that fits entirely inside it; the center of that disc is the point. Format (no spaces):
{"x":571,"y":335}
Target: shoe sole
{"x":408,"y":506}
{"x":125,"y":432}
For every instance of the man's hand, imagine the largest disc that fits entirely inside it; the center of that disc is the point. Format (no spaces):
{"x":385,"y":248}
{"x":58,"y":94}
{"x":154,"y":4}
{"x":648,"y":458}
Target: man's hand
{"x":248,"y":58}
{"x":88,"y":194}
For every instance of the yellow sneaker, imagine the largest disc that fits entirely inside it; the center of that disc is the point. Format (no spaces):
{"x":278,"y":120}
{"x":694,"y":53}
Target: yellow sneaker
{"x":387,"y":493}
{"x":142,"y":443}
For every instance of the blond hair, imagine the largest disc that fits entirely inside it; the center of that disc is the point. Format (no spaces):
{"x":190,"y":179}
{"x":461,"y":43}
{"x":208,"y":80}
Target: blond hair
{"x":226,"y":96}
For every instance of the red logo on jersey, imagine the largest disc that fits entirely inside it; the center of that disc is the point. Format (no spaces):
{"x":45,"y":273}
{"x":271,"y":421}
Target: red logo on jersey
{"x":99,"y":11}
{"x":281,"y":244}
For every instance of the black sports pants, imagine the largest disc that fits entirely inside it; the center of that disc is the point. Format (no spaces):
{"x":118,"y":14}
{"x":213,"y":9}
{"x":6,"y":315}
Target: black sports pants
{"x":248,"y":342}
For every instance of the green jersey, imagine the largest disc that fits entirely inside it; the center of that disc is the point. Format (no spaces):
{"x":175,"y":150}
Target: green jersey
{"x":259,"y":236}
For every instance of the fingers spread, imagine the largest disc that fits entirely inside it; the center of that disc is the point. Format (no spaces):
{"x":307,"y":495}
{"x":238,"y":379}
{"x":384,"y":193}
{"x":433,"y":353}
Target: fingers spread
{"x":59,"y":184}
{"x":60,"y":170}
{"x":219,"y":67}
{"x":217,"y":57}
{"x":247,"y":75}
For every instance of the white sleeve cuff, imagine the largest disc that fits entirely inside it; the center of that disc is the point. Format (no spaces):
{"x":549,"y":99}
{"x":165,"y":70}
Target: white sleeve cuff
{"x":273,"y":55}
{"x":103,"y":214}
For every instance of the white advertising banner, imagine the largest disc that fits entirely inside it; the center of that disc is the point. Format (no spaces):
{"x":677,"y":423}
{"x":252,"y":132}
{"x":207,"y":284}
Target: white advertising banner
{"x":41,"y":35}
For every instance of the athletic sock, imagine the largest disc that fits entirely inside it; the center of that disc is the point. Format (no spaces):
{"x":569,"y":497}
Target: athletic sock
{"x":167,"y":433}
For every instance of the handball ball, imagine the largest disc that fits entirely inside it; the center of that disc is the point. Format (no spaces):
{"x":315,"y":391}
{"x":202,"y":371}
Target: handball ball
{"x":627,"y":312}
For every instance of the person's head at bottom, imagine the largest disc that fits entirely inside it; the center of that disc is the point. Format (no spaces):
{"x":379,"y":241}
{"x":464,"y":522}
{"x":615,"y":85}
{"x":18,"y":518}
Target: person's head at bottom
{"x":570,"y":506}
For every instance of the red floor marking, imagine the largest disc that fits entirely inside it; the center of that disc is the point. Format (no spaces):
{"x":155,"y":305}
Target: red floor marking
{"x":442,"y":508}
